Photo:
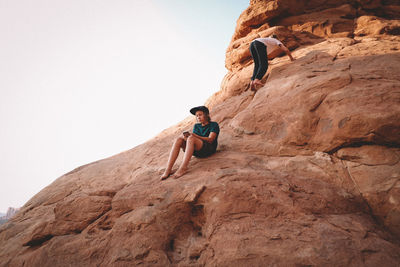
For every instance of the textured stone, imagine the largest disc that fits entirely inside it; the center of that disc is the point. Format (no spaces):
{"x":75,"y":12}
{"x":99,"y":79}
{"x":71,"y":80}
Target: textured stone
{"x":371,"y":25}
{"x":306,"y":174}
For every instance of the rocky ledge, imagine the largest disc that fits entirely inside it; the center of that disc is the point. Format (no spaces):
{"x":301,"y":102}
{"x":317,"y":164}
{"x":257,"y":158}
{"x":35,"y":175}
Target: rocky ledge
{"x":307,"y":172}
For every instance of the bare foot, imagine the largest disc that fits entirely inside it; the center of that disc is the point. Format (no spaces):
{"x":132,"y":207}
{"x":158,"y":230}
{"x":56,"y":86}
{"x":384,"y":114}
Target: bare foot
{"x":179,"y":173}
{"x":165,"y":175}
{"x":258,"y":82}
{"x":252,"y":86}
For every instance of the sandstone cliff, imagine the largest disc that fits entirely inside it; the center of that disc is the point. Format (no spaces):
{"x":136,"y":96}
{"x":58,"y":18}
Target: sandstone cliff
{"x":307,"y":172}
{"x":10,"y":213}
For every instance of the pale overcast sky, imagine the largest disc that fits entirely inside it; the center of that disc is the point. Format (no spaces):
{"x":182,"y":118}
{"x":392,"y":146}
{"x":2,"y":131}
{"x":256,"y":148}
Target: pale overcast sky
{"x":82,"y":80}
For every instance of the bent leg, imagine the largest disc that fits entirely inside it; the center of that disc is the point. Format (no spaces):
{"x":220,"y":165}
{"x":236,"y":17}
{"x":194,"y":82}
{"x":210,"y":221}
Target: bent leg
{"x":254,"y":55}
{"x":192,"y":144}
{"x":263,"y":61}
{"x":179,"y":142}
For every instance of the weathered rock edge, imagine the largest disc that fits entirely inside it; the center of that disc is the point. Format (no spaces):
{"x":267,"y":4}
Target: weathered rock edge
{"x":307,"y":172}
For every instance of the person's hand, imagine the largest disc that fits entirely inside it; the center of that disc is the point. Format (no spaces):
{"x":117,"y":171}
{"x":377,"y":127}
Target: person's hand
{"x":186,"y":135}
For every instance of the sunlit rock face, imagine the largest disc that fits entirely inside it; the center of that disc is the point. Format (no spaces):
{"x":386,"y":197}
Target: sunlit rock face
{"x":306,"y":174}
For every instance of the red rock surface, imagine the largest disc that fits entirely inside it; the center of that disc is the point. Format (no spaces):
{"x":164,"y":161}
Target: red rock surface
{"x":307,"y":172}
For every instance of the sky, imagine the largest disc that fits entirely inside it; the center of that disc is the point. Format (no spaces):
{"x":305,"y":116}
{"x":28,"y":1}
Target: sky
{"x":82,"y":80}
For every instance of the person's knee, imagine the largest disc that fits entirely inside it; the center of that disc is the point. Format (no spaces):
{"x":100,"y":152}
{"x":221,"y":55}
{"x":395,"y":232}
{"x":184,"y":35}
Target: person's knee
{"x":179,"y":140}
{"x":191,"y":139}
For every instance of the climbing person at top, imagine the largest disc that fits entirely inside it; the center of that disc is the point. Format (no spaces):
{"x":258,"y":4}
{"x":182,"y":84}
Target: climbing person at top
{"x":261,"y":50}
{"x":201,"y":143}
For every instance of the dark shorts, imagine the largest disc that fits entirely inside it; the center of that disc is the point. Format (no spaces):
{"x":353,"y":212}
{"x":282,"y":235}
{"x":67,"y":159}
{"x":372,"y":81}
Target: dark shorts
{"x":206,"y":150}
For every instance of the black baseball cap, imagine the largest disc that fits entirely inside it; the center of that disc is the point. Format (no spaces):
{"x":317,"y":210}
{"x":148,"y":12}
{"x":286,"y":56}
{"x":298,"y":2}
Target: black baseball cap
{"x":202,"y":108}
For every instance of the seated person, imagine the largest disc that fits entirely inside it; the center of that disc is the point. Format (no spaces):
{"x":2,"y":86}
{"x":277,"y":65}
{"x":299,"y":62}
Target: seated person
{"x":201,"y":143}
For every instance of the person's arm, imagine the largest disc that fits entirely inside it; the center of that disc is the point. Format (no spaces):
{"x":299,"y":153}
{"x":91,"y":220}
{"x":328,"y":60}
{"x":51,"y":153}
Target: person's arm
{"x":284,"y":48}
{"x":209,"y":139}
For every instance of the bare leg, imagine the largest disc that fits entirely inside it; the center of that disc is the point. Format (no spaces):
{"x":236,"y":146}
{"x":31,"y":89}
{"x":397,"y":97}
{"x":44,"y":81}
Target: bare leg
{"x":193,"y":143}
{"x":179,"y":143}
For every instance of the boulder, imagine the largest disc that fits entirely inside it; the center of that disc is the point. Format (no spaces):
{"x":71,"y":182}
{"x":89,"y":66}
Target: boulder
{"x":306,"y":174}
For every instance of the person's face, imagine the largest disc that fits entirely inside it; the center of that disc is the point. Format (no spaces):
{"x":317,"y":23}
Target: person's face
{"x":200,"y":116}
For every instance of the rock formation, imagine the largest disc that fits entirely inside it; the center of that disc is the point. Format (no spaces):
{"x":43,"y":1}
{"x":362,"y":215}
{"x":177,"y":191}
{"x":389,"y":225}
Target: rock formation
{"x":2,"y":220}
{"x":10,"y":213}
{"x":307,"y":172}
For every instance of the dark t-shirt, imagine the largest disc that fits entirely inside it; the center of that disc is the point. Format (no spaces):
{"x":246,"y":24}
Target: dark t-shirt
{"x":206,"y":130}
